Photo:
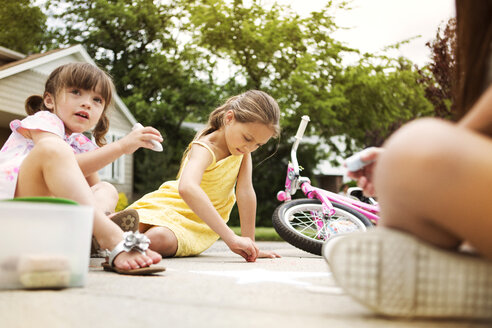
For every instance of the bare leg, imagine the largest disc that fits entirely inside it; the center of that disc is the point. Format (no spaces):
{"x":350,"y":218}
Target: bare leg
{"x":434,"y":181}
{"x":162,"y":239}
{"x":106,"y":196}
{"x":51,"y":169}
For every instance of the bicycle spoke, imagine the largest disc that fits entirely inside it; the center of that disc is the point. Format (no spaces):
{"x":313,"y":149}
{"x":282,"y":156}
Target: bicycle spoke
{"x":305,"y":222}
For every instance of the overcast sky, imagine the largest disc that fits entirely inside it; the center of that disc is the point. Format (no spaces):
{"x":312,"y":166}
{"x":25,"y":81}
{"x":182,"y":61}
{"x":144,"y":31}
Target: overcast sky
{"x":378,"y":23}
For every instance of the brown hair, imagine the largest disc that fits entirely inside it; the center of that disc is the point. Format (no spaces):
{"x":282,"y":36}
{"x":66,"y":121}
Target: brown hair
{"x":474,"y":38}
{"x":253,"y":106}
{"x":79,"y":75}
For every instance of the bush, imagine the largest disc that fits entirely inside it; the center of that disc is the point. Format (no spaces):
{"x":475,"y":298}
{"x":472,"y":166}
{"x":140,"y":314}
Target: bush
{"x":122,"y":202}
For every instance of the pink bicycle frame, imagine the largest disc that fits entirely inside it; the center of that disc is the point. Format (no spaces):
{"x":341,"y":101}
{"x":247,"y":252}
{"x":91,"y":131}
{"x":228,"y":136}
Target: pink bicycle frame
{"x":325,"y":197}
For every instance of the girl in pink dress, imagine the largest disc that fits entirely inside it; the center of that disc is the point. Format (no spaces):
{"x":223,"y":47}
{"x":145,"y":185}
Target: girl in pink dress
{"x":47,"y":154}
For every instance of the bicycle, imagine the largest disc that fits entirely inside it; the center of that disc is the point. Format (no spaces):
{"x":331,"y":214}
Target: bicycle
{"x":308,"y":223}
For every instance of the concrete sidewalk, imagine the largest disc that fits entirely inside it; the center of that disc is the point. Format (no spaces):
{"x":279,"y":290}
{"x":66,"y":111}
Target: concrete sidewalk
{"x":215,"y":289}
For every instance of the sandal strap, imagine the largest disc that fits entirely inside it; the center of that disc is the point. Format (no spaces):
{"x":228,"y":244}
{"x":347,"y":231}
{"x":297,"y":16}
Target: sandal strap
{"x":131,"y":241}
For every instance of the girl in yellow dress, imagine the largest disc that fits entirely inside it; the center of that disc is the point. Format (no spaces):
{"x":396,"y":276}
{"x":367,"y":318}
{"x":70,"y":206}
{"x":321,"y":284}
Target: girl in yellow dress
{"x":186,"y":216}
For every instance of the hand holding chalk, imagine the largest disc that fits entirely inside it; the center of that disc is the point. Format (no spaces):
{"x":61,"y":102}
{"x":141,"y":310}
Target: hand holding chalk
{"x":157,"y":145}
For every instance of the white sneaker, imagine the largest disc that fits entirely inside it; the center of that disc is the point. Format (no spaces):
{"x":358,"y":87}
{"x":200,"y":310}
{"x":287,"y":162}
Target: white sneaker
{"x":395,"y":274}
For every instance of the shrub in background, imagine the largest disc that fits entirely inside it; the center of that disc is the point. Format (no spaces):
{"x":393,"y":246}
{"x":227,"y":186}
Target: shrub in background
{"x":122,"y":202}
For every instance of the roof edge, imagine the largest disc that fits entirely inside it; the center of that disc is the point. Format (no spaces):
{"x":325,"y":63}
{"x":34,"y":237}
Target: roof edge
{"x":45,"y":59}
{"x":11,"y":54}
{"x":59,"y":54}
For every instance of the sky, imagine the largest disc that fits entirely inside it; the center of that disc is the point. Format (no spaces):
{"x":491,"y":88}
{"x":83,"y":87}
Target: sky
{"x":378,"y":23}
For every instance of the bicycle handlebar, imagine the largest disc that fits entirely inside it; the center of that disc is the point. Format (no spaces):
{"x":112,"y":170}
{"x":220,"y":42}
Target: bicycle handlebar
{"x":299,"y":134}
{"x":302,"y":127}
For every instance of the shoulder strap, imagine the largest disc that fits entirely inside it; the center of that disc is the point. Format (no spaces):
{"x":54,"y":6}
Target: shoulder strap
{"x":207,"y":147}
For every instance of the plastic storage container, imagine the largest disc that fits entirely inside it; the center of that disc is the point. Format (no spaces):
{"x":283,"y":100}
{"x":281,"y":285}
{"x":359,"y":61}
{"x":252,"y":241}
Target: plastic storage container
{"x":44,"y":243}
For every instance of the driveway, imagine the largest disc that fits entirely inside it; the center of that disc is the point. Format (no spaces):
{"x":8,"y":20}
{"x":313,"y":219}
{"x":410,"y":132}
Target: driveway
{"x":215,"y":289}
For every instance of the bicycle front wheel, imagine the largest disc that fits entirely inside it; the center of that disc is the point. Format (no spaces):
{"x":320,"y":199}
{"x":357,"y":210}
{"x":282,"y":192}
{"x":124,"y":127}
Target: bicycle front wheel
{"x":301,"y":223}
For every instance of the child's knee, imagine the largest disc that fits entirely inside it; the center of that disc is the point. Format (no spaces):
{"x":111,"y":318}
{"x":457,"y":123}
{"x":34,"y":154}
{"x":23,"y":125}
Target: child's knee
{"x":419,"y":145}
{"x":418,"y":154}
{"x":106,"y":189}
{"x":163,"y":241}
{"x":106,"y":196}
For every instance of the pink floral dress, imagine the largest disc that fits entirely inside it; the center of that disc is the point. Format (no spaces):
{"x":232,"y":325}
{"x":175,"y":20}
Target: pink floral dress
{"x":17,"y":147}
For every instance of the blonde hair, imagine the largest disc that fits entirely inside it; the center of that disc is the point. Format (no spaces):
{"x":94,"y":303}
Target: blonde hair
{"x":78,"y":75}
{"x":252,"y":106}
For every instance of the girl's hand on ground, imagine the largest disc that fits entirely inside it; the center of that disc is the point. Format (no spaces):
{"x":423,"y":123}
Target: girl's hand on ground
{"x":364,"y":176}
{"x":245,"y":247}
{"x":268,"y":254}
{"x":140,"y":138}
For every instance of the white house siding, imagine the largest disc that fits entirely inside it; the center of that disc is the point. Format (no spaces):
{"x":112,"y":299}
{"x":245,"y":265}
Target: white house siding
{"x":13,"y":93}
{"x":48,"y":67}
{"x":16,"y":88}
{"x":126,"y":186}
{"x":120,"y":125}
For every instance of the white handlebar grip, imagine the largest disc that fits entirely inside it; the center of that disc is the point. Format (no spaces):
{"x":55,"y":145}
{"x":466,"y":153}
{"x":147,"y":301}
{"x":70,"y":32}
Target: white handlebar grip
{"x":157,"y":146}
{"x":302,"y":126}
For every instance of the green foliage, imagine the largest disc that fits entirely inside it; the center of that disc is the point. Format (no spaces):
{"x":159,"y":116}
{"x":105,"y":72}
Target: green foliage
{"x":157,"y":78}
{"x":298,"y":62}
{"x":261,"y":233}
{"x":379,"y":98}
{"x":122,"y":202}
{"x":167,"y":60}
{"x":23,"y":26}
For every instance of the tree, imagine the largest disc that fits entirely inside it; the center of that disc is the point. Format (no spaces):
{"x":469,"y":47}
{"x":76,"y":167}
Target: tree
{"x":298,"y":62}
{"x":271,"y":49}
{"x":23,"y":26}
{"x":161,"y":81}
{"x":166,"y":60}
{"x":438,"y":76}
{"x":380,"y":98}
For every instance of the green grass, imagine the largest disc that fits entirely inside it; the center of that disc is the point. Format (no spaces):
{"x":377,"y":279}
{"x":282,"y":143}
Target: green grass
{"x":261,"y":233}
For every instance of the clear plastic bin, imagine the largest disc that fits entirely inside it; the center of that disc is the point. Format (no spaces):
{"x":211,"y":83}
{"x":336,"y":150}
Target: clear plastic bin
{"x":45,"y":243}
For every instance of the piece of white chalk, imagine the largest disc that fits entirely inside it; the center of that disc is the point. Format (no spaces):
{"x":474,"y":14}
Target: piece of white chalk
{"x":157,"y":145}
{"x":355,"y":163}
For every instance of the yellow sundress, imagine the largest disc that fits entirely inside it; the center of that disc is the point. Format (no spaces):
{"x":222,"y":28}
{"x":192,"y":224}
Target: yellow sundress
{"x":164,"y":207}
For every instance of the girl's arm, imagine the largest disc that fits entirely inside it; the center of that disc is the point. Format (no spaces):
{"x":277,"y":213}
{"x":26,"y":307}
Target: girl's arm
{"x":246,"y":203}
{"x":246,"y":198}
{"x":479,"y":117}
{"x":93,"y":179}
{"x":92,"y":161}
{"x":194,"y":196}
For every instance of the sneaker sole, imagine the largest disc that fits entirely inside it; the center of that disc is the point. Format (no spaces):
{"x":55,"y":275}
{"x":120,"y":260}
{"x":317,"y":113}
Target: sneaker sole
{"x":395,"y":274}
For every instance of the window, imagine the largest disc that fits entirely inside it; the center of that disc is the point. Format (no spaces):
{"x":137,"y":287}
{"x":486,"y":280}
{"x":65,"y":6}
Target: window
{"x":114,"y":172}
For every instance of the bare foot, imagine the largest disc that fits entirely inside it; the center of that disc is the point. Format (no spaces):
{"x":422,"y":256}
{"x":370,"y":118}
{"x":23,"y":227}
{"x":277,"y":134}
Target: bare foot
{"x":156,"y":257}
{"x":132,"y":260}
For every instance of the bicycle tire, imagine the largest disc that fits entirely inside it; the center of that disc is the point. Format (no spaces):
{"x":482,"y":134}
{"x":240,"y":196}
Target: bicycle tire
{"x":287,"y":224}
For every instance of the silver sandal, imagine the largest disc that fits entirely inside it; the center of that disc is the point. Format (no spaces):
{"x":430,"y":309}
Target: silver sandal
{"x":132,"y":241}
